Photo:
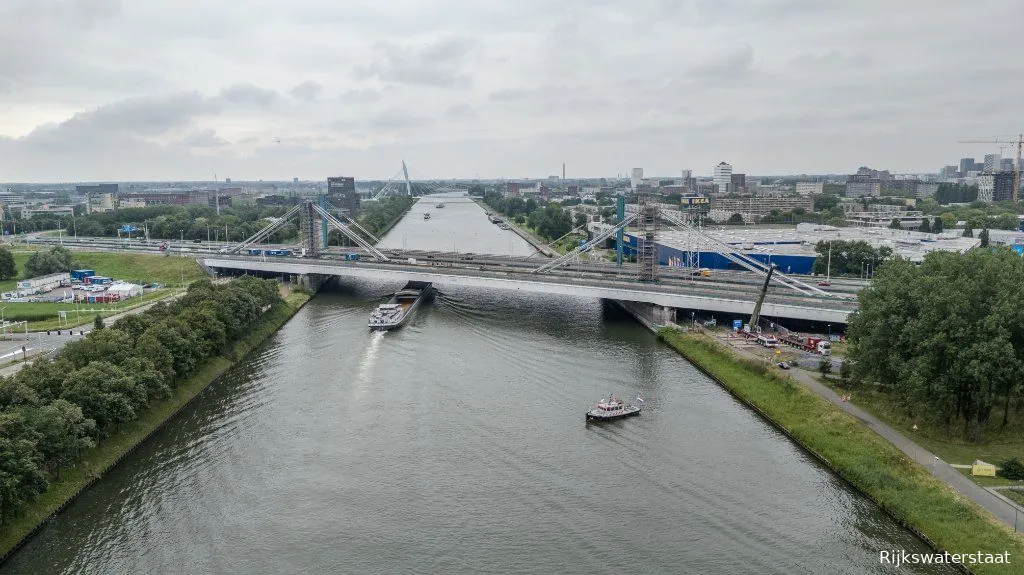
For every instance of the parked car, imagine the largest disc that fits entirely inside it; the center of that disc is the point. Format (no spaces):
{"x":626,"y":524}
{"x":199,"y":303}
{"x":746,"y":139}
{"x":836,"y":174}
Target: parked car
{"x":783,"y":365}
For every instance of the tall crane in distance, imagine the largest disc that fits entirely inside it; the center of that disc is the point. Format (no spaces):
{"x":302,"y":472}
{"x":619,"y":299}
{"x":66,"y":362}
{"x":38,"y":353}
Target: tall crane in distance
{"x":1016,"y":170}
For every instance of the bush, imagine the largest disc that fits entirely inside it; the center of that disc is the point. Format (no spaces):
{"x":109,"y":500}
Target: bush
{"x":1013,"y":468}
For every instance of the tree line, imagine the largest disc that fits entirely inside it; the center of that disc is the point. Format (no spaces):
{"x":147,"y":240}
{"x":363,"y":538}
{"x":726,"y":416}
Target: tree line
{"x":851,"y":258}
{"x":949,"y":193}
{"x":549,"y":221}
{"x":51,"y":411}
{"x":194,"y":222}
{"x":945,"y":339}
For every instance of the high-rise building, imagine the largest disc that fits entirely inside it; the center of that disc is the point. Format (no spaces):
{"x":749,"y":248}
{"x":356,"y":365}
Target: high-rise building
{"x":966,"y":165}
{"x":995,"y":187}
{"x":948,"y":172}
{"x":341,"y":193}
{"x":637,"y":177}
{"x":739,"y":183}
{"x":992,"y":163}
{"x":723,"y":177}
{"x":1006,"y":165}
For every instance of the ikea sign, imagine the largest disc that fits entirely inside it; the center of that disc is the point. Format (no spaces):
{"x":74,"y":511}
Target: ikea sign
{"x":695,"y":201}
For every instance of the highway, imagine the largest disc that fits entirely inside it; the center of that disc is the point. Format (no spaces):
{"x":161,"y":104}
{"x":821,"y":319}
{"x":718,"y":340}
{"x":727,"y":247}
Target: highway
{"x":721,"y":281}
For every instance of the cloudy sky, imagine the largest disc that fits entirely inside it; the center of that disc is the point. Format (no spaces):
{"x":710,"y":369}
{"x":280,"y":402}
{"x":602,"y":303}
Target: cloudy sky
{"x":109,"y":90}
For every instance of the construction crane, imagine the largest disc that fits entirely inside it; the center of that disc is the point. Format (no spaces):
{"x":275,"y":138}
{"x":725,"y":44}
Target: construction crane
{"x":1016,"y":170}
{"x":756,"y":316}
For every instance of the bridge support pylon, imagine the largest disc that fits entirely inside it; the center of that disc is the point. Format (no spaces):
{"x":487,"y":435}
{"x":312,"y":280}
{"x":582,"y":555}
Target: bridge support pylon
{"x":310,"y":232}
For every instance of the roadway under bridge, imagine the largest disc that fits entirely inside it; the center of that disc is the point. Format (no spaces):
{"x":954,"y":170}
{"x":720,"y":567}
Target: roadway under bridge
{"x":667,"y":297}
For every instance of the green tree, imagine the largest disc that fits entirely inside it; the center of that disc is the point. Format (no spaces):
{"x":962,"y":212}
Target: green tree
{"x":937,"y":226}
{"x":845,"y":371}
{"x":56,"y":259}
{"x":63,"y":433}
{"x":735,"y":219}
{"x":581,"y":220}
{"x":476,"y":190}
{"x":8,"y":269}
{"x":895,"y":225}
{"x":983,"y":236}
{"x":825,"y":366}
{"x":946,"y":338}
{"x":21,"y":472}
{"x":968,"y":232}
{"x":925,"y":226}
{"x":97,"y":322}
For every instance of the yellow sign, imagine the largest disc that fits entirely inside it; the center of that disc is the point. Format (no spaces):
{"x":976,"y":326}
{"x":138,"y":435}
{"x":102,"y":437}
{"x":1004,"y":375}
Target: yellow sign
{"x":984,"y":469}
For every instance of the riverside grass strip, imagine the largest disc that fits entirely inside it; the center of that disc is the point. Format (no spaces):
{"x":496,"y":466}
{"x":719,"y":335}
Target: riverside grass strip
{"x":103,"y":457}
{"x":904,"y":489}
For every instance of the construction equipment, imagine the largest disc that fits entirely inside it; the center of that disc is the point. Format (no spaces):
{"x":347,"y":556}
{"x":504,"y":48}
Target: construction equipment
{"x":1016,"y":170}
{"x":756,"y":316}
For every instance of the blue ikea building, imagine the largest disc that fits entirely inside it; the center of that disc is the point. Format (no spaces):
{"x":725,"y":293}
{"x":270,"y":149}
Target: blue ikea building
{"x":789,"y":263}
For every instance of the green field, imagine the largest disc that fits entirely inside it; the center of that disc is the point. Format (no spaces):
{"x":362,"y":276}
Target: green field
{"x":873,"y":465}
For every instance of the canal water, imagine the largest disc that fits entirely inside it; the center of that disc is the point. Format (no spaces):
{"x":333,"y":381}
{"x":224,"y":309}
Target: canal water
{"x":458,"y":445}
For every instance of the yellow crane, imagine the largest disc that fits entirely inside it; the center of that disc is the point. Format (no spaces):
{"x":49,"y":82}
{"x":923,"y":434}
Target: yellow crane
{"x":1016,"y":171}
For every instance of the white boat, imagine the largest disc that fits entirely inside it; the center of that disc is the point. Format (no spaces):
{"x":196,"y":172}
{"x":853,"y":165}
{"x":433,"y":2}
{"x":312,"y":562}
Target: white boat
{"x":440,"y":205}
{"x":426,"y":216}
{"x":610,"y":409}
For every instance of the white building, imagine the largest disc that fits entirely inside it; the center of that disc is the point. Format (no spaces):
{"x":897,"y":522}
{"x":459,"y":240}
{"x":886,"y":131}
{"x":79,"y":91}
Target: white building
{"x":723,"y":177}
{"x":993,"y":162}
{"x":637,"y":177}
{"x":43,"y":283}
{"x":125,"y":290}
{"x":809,"y":188}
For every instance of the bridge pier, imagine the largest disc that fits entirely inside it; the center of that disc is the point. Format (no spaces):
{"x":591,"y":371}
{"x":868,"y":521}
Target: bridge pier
{"x":652,"y":316}
{"x":312,"y":282}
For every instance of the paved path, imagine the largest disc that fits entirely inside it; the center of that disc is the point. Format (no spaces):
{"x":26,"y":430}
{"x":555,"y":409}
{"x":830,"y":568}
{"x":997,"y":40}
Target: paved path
{"x":998,"y":506}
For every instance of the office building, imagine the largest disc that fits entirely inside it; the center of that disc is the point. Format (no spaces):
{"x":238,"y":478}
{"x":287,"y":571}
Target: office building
{"x":96,"y":189}
{"x":723,"y":177}
{"x":966,"y":166}
{"x":636,"y":178}
{"x":1006,"y":165}
{"x":752,"y":209}
{"x":997,"y":187}
{"x":341,"y":193}
{"x":992,"y":163}
{"x":739,"y":183}
{"x":809,"y":188}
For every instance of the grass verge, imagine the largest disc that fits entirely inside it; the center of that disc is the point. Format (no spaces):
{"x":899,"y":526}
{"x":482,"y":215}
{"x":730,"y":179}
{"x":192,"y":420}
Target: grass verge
{"x":999,"y":443}
{"x":870,"y":463}
{"x":109,"y":452}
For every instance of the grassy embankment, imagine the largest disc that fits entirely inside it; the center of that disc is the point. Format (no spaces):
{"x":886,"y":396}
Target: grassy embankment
{"x":999,"y":443}
{"x":903,"y":488}
{"x":110,"y":451}
{"x":137,"y":268}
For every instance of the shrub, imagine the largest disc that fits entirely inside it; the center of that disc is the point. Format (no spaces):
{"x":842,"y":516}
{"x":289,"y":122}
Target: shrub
{"x":1013,"y":468}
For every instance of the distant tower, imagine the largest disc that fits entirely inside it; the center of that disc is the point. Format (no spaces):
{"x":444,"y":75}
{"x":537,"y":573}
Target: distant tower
{"x":646,"y":239}
{"x":637,"y":177}
{"x":723,"y":177}
{"x":563,"y":175}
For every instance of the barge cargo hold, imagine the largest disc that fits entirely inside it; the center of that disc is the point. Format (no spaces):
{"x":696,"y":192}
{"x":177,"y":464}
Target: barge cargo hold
{"x":397,"y":311}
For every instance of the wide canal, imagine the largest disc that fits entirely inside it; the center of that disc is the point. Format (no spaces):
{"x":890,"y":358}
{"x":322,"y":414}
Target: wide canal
{"x":458,"y":445}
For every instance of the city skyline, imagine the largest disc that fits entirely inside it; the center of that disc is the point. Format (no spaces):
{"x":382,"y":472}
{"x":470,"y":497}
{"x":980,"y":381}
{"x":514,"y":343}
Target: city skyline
{"x":125,"y":91}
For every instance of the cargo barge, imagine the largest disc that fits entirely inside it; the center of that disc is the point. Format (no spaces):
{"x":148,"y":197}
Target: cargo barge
{"x":397,"y":311}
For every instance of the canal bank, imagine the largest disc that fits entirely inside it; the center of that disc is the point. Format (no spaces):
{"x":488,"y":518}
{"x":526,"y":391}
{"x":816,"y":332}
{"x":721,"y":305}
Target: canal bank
{"x":102,"y":458}
{"x":530,"y":239}
{"x":903,"y":489}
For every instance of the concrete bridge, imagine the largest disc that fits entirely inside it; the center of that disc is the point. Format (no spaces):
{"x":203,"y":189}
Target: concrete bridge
{"x":663,"y":298}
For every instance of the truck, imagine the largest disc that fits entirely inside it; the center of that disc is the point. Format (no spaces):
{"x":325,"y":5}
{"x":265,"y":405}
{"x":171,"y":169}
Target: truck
{"x":767,"y":341}
{"x":813,"y":344}
{"x":78,"y":276}
{"x":350,"y":257}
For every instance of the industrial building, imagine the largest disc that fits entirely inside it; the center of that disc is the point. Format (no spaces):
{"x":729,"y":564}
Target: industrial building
{"x":45,"y":283}
{"x":792,"y":249}
{"x":341,"y":193}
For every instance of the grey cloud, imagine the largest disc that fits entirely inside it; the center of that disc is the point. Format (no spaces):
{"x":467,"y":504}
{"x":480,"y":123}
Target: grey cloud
{"x":360,"y":96}
{"x":460,"y":112}
{"x":396,"y":119}
{"x":438,"y":64}
{"x":730,"y":65}
{"x":250,"y":94}
{"x":145,"y":116}
{"x":308,"y":90}
{"x":203,"y":139}
{"x":508,"y":94}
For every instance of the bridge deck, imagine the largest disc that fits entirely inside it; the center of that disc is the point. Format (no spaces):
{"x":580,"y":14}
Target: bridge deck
{"x":719,"y":298}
